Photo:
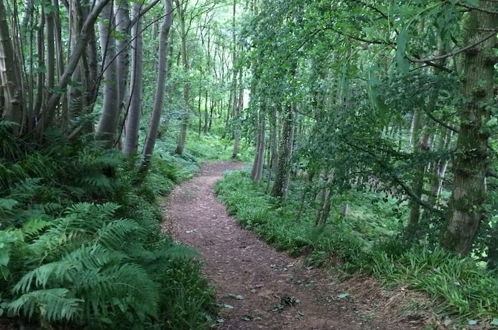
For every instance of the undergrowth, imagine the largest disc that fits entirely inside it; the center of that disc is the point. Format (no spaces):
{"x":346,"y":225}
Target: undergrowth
{"x":365,"y":241}
{"x":81,"y":242}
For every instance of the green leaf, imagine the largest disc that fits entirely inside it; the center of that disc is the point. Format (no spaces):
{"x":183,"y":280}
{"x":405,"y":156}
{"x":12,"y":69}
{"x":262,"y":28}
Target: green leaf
{"x":6,"y":240}
{"x":492,"y":122}
{"x":8,"y":204}
{"x":401,"y":59}
{"x":474,"y":3}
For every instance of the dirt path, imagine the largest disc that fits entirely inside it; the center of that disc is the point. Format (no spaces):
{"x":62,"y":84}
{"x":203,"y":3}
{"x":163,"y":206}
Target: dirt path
{"x":259,"y":287}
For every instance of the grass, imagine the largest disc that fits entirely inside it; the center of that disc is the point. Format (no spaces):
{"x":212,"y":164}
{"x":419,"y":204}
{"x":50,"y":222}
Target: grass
{"x":367,"y":242}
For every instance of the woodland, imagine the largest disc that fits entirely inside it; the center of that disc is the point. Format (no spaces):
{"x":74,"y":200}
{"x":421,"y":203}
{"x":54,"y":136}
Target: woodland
{"x":369,"y":131}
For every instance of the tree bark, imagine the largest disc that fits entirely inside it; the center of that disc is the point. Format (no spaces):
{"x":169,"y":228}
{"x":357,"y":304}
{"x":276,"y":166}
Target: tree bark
{"x":257,"y":168}
{"x":122,"y":47}
{"x":108,"y":122}
{"x":84,"y":38}
{"x":182,"y":137}
{"x":420,"y":143}
{"x":466,"y":206}
{"x":10,"y":74}
{"x":161,"y":82}
{"x":282,"y":171}
{"x":130,"y":146}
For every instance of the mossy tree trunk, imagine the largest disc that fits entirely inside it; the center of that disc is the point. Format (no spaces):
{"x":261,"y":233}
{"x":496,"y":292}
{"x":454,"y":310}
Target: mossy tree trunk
{"x":466,"y":207}
{"x":285,"y":152}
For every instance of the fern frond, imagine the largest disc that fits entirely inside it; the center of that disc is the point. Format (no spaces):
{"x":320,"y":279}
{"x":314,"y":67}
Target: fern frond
{"x":52,"y":304}
{"x":68,"y":267}
{"x":114,"y":234}
{"x":34,"y":227}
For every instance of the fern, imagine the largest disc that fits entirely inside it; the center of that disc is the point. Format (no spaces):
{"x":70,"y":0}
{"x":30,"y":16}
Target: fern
{"x":52,"y":304}
{"x":86,"y":264}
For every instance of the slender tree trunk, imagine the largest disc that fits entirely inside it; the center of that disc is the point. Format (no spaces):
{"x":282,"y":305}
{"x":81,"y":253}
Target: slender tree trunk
{"x":132,"y":123}
{"x":50,"y":39}
{"x":439,"y":170}
{"x":10,"y":74}
{"x":325,"y":202}
{"x":199,"y":105}
{"x":420,"y":143}
{"x":108,"y":122}
{"x":282,"y":170}
{"x":122,"y":47}
{"x":40,"y":76}
{"x":186,"y":87}
{"x":75,"y":99}
{"x":206,"y":113}
{"x":239,"y":99}
{"x":160,"y":85}
{"x":273,"y":140}
{"x":211,"y":110}
{"x":59,"y":57}
{"x":257,"y":168}
{"x":85,"y":37}
{"x":466,"y":206}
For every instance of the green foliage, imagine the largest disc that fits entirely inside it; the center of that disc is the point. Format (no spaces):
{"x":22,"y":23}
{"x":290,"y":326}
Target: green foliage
{"x":365,"y":241}
{"x":81,"y":242}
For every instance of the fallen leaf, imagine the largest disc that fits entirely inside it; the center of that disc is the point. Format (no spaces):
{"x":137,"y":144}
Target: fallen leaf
{"x":342,"y":295}
{"x":246,"y":318}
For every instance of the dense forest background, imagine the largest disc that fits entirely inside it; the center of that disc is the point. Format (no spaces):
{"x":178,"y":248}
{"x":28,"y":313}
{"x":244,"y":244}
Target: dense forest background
{"x":371,"y":127}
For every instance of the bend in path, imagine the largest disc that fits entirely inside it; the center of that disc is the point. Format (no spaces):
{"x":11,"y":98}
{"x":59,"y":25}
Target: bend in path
{"x":267,"y":289}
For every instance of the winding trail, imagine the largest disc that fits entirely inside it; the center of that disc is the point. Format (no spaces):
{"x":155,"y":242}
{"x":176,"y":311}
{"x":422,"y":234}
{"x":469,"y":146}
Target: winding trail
{"x":259,"y":287}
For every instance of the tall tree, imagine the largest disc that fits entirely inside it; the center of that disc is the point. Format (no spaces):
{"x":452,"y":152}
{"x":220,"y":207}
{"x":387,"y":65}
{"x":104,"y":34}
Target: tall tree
{"x":106,"y":128}
{"x":181,"y":6}
{"x":160,"y":85}
{"x":133,"y":116}
{"x":466,"y":207}
{"x":10,"y":74}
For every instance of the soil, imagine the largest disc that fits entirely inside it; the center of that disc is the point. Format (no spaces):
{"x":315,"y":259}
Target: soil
{"x":258,"y":287}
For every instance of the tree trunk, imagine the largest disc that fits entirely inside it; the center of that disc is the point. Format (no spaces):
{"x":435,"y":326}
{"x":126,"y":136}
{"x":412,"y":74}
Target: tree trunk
{"x":273,"y":140}
{"x":122,"y":47}
{"x":74,"y":94}
{"x":282,"y":170}
{"x":325,"y":202}
{"x":160,"y":85}
{"x":466,"y":206}
{"x":206,"y":113}
{"x":40,"y":76}
{"x":107,"y":126}
{"x":50,"y":39}
{"x":10,"y":74}
{"x":132,"y":123}
{"x":239,"y":100}
{"x":186,"y":87}
{"x":419,"y":141}
{"x":85,"y":38}
{"x":257,"y":168}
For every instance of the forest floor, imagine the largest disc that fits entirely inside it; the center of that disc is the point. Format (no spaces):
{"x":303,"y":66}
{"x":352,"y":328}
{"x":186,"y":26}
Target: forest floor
{"x":258,"y":287}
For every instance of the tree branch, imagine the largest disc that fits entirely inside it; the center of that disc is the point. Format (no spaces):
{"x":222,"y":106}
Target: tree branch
{"x":453,"y":53}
